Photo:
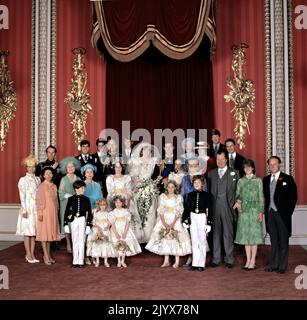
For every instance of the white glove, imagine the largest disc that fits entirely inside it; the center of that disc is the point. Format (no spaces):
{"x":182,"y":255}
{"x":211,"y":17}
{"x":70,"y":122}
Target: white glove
{"x":88,"y":230}
{"x":67,"y":195}
{"x":186,"y":226}
{"x":207,"y":228}
{"x":66,"y":229}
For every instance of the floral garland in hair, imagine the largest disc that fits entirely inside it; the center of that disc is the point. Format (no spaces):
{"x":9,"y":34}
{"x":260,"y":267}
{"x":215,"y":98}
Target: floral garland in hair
{"x":145,"y":191}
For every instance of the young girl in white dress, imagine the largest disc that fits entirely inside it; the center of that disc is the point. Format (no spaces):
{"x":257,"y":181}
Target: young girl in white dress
{"x":169,"y":237}
{"x":101,"y":245}
{"x":124,"y":241}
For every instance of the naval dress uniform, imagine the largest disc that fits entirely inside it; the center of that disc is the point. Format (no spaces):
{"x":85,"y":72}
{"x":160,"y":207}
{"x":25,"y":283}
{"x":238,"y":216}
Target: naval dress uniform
{"x":197,"y":214}
{"x":79,"y":214}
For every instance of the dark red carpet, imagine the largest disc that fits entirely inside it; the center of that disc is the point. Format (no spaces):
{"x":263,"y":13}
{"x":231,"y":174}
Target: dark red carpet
{"x":144,"y":279}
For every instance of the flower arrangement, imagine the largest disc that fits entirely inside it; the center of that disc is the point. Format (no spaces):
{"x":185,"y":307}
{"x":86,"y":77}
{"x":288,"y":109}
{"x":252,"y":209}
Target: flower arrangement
{"x":122,"y":247}
{"x":168,"y":234}
{"x":99,"y":236}
{"x":145,"y":191}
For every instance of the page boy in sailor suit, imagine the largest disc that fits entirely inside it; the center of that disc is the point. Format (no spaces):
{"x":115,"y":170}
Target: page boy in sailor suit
{"x":79,"y":214}
{"x":197,"y":214}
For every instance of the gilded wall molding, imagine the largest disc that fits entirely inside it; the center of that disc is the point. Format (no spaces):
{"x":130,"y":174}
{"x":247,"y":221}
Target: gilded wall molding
{"x":279,"y":94}
{"x":53,"y":71}
{"x":291,"y":91}
{"x":43,"y":101}
{"x":268,"y":78}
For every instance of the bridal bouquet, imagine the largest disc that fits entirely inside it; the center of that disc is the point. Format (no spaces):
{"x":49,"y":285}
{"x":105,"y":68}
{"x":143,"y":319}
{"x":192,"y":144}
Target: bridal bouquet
{"x":121,"y":246}
{"x":99,"y":236}
{"x":168,"y":234}
{"x":146,"y":191}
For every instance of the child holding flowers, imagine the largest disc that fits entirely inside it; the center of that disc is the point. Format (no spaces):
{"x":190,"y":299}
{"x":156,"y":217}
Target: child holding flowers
{"x":100,"y":245}
{"x":122,"y":236}
{"x":169,"y":237}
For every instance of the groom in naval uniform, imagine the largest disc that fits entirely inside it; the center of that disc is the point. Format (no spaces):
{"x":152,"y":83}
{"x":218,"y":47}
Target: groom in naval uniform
{"x":222,"y":186}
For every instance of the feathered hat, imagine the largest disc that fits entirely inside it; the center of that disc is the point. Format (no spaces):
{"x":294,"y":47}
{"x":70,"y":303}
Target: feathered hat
{"x":29,"y":161}
{"x":66,"y":161}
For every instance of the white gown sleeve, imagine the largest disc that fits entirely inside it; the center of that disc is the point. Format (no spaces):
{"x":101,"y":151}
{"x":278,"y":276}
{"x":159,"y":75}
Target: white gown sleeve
{"x":161,"y":205}
{"x":22,"y":194}
{"x":110,"y":185}
{"x":179,"y":205}
{"x":128,"y":185}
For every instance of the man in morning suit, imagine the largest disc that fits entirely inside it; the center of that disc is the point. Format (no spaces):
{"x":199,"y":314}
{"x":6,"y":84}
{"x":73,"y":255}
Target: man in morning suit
{"x":216,"y":145}
{"x":235,"y":160}
{"x":85,"y":156}
{"x":222,"y":186}
{"x":280,"y":195}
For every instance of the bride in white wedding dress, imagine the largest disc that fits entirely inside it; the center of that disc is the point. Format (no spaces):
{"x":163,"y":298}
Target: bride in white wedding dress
{"x":143,"y":169}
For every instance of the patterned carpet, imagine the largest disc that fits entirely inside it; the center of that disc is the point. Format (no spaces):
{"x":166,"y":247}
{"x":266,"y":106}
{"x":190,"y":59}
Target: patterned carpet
{"x":145,"y":280}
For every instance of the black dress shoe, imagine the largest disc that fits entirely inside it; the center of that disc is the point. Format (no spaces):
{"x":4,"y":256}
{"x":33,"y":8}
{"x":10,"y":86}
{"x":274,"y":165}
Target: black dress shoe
{"x":228,"y":265}
{"x":244,"y":268}
{"x":212,"y":265}
{"x":270,"y":269}
{"x":193,"y":268}
{"x":74,"y":266}
{"x":81,"y":265}
{"x":200,"y":269}
{"x":281,"y":271}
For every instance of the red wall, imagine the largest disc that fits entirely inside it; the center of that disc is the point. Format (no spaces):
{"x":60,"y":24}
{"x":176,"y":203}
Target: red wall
{"x":74,"y":30}
{"x":18,"y":41}
{"x":241,"y":21}
{"x":300,"y":95}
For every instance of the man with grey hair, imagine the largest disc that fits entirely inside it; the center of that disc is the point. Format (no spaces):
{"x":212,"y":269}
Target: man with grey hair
{"x":222,"y":186}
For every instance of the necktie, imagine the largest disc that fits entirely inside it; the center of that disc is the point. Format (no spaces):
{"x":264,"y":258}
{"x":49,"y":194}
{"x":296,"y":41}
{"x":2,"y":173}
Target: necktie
{"x":220,"y":173}
{"x":85,"y":158}
{"x":231,"y":161}
{"x":273,"y":180}
{"x":215,"y":149}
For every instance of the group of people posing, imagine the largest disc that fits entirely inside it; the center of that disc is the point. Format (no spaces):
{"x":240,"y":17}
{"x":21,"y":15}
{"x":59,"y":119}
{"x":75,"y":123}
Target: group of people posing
{"x":111,"y":206}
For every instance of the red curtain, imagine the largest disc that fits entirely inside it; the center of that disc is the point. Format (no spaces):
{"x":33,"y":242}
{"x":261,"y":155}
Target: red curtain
{"x":300,"y":110}
{"x":17,"y":39}
{"x":154,"y":91}
{"x":175,"y":27}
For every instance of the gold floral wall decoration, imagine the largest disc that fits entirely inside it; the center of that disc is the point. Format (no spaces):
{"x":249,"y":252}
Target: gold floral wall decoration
{"x":241,"y":92}
{"x":8,"y":99}
{"x":78,"y":97}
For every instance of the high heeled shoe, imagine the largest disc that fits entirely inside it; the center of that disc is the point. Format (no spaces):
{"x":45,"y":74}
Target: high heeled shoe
{"x":252,"y":268}
{"x":175,"y":265}
{"x":36,"y":260}
{"x":29,"y":260}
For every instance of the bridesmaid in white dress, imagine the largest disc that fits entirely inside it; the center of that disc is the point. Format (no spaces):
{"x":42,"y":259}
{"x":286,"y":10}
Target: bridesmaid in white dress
{"x":121,"y":232}
{"x":101,"y":229}
{"x":169,"y":237}
{"x":141,"y":168}
{"x":26,"y":225}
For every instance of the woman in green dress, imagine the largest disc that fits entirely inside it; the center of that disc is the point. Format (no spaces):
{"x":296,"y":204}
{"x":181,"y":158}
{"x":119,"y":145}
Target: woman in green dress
{"x":68,"y":166}
{"x":250,"y":205}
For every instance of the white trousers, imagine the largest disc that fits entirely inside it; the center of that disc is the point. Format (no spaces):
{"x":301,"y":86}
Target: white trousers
{"x":78,"y":239}
{"x":198,"y":239}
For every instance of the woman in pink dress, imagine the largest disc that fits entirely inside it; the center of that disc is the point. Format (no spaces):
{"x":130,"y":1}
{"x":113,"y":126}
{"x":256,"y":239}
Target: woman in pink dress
{"x":47,"y":227}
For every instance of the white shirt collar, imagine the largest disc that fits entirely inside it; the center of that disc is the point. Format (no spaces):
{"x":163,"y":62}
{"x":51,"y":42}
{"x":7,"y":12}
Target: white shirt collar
{"x":233,"y":155}
{"x":276,"y":176}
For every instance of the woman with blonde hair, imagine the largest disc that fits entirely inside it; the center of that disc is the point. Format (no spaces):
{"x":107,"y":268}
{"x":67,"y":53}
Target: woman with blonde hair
{"x":26,"y":225}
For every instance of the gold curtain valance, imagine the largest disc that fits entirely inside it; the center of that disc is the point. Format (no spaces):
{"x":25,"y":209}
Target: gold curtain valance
{"x":126,"y":28}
